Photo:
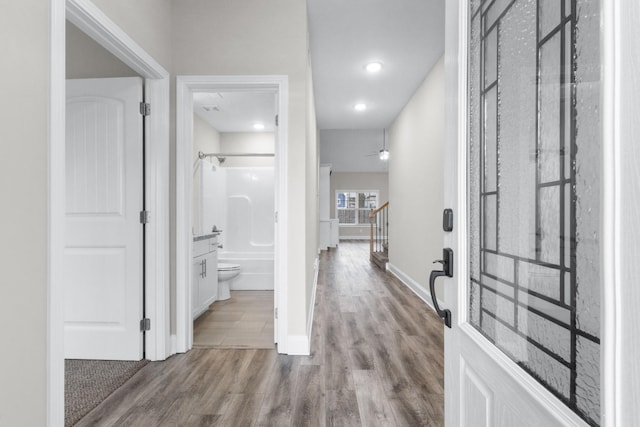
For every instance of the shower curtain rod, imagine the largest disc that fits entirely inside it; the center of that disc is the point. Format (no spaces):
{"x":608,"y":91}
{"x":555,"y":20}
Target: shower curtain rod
{"x":202,"y":155}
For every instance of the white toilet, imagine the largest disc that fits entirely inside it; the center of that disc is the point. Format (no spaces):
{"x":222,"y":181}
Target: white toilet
{"x":226,"y":272}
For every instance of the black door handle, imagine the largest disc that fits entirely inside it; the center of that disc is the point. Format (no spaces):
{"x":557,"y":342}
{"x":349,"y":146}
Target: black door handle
{"x":447,"y":271}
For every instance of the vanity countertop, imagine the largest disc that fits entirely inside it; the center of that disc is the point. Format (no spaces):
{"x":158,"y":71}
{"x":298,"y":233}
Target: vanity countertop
{"x":206,"y":236}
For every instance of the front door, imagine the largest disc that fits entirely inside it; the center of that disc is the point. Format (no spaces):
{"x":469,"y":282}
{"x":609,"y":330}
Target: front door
{"x":524,"y":177}
{"x":104,"y":237}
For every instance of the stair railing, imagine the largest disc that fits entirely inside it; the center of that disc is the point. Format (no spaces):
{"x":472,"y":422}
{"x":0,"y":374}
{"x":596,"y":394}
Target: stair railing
{"x":379,"y":236}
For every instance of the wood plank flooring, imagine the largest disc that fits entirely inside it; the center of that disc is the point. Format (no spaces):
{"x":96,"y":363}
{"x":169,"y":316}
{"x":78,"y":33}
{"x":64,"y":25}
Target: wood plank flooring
{"x":376,"y":360}
{"x":243,"y":321}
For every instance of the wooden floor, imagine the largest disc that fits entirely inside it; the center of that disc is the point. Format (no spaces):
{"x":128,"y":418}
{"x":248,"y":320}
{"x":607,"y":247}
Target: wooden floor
{"x":377,"y":360}
{"x":243,"y":321}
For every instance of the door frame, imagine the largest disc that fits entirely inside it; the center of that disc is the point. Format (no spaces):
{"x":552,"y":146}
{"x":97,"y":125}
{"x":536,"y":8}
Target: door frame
{"x":90,"y":19}
{"x":611,"y":371}
{"x":185,"y":86}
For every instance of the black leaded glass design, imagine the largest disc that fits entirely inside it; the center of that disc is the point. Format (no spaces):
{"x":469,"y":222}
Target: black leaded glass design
{"x":534,"y":190}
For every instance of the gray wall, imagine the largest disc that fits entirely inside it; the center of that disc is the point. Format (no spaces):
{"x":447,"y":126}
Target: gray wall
{"x":226,"y":38}
{"x":357,"y":181}
{"x":148,"y":22}
{"x":247,"y":142}
{"x":205,"y":139}
{"x":248,"y":37}
{"x":87,"y":59}
{"x":24,"y":185}
{"x":416,"y":180}
{"x":24,"y":30}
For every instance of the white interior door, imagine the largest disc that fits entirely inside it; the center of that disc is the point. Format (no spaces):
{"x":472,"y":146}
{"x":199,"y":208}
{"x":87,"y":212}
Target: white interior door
{"x":523,"y":165}
{"x":103,"y":237}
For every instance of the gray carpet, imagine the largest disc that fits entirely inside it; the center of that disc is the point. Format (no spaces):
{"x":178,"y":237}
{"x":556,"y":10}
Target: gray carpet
{"x":89,"y":382}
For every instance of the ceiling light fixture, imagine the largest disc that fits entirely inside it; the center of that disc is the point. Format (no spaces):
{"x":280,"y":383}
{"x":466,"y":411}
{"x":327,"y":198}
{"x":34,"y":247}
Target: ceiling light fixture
{"x":373,"y":67}
{"x":384,"y":153}
{"x":360,"y":107}
{"x":258,"y":126}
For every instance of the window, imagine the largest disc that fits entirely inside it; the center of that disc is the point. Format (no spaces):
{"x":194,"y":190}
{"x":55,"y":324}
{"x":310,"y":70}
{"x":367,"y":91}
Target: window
{"x":353,"y":207}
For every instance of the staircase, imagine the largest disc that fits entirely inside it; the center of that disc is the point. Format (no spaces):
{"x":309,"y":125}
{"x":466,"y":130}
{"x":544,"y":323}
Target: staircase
{"x":379,"y":238}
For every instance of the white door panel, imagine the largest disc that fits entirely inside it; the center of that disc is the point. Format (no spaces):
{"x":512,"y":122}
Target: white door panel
{"x":95,"y":156}
{"x":523,"y":172}
{"x":476,"y":397}
{"x":103,"y":236}
{"x":102,"y":294}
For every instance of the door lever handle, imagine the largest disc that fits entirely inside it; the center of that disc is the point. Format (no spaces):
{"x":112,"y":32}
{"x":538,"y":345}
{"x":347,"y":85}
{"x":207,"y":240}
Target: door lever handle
{"x":447,"y":271}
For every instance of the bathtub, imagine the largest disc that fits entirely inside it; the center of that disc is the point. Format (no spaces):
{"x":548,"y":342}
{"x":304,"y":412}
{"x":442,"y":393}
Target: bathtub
{"x":256,"y":270}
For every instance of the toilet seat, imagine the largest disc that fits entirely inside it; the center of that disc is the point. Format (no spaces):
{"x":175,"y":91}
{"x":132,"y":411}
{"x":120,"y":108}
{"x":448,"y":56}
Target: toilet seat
{"x":228,"y":267}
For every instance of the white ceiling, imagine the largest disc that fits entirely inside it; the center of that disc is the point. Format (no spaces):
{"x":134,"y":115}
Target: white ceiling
{"x":407,"y":36}
{"x":236,"y":111}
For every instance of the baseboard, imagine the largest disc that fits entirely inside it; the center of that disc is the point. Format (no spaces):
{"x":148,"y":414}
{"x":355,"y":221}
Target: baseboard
{"x":316,"y":267}
{"x":415,"y":287}
{"x":358,"y":237}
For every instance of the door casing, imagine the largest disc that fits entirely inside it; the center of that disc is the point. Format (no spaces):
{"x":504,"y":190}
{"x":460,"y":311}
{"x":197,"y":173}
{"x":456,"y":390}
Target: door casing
{"x":90,"y":19}
{"x":185,"y":86}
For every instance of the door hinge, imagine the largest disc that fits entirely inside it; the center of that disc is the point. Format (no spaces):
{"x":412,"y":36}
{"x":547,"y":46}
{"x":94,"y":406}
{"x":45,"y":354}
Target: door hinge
{"x":276,"y":313}
{"x":145,"y":325}
{"x":277,"y":119}
{"x":145,"y":108}
{"x":145,"y":217}
{"x":276,"y":216}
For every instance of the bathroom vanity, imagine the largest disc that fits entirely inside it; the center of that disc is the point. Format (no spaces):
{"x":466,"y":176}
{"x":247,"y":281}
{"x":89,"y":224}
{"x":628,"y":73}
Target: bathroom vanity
{"x":204,"y":282}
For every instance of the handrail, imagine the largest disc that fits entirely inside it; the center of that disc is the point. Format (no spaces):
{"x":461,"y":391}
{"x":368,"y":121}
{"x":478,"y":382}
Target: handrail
{"x":378,"y":236}
{"x":375,"y":212}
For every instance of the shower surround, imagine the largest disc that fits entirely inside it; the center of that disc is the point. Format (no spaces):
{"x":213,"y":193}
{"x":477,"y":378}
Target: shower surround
{"x":240,"y":201}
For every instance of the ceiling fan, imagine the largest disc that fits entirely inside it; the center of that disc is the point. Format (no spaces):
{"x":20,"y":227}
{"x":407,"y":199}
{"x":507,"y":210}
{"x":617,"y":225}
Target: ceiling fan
{"x":383,"y":153}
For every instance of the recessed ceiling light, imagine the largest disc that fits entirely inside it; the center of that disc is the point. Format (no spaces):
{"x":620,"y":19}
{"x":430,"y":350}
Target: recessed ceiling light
{"x":258,"y":126}
{"x":373,"y":67}
{"x":360,"y":107}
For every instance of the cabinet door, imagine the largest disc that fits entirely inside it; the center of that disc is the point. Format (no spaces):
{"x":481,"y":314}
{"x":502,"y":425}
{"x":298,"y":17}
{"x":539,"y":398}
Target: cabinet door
{"x":325,"y":234}
{"x":209,"y":282}
{"x":335,"y":233}
{"x":197,"y":272}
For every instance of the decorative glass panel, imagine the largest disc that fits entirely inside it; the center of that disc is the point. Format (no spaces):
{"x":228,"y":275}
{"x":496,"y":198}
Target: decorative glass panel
{"x":534,"y":190}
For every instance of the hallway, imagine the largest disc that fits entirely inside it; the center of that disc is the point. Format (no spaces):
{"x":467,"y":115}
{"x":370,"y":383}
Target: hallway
{"x":376,"y":359}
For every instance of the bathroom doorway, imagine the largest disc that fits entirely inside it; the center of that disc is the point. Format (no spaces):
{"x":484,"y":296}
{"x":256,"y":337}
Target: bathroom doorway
{"x":231,"y":183}
{"x":233,"y":204}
